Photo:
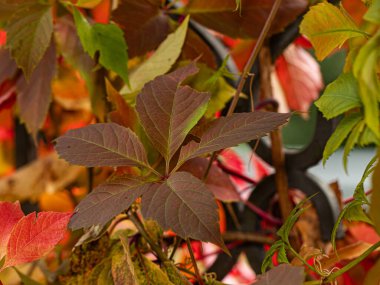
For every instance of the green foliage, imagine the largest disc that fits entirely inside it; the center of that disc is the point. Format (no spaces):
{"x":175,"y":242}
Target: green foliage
{"x":340,"y":96}
{"x":25,"y":279}
{"x":328,"y":27}
{"x":29,"y":34}
{"x":373,"y":13}
{"x":108,"y":40}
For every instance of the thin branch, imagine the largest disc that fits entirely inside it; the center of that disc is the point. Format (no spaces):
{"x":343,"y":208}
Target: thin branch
{"x":247,"y":237}
{"x":199,"y":277}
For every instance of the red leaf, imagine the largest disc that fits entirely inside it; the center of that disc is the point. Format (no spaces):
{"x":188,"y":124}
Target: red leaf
{"x":7,"y":94}
{"x":300,"y":78}
{"x":10,"y":214}
{"x":33,"y":237}
{"x":3,"y":37}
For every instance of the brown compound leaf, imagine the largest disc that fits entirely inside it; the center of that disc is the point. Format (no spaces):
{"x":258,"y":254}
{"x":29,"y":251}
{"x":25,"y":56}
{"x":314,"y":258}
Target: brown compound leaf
{"x":184,"y":205}
{"x":230,"y":131}
{"x":145,"y":26}
{"x":168,"y":111}
{"x":106,"y":144}
{"x":222,"y":16}
{"x":284,"y":274}
{"x":108,"y":200}
{"x":218,"y":182}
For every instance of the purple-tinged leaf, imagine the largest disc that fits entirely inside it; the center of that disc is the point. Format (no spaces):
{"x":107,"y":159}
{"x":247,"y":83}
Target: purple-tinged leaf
{"x":8,"y":66}
{"x":169,"y":111}
{"x":34,"y":96}
{"x":29,"y":34}
{"x":185,"y":205}
{"x":284,"y":274}
{"x":145,"y":26}
{"x":102,"y":145}
{"x":108,"y":200}
{"x":230,"y":131}
{"x":218,"y":182}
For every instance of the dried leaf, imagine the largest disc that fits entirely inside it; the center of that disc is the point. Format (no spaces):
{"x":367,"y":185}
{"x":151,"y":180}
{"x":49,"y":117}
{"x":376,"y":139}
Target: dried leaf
{"x":184,"y":205}
{"x":145,"y":26}
{"x":123,"y":272}
{"x":328,"y":27}
{"x":283,"y":274}
{"x":34,"y":96}
{"x":230,"y":131}
{"x":218,"y":182}
{"x":34,"y":236}
{"x":29,"y":35}
{"x":10,"y":214}
{"x":375,"y":199}
{"x":168,"y":111}
{"x":221,"y":15}
{"x":102,"y":145}
{"x":108,"y":200}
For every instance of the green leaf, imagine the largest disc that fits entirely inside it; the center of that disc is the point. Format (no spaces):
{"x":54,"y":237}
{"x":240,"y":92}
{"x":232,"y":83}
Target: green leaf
{"x":230,"y":131}
{"x":328,"y":27}
{"x":34,"y":96}
{"x":351,"y":141}
{"x":368,"y":137}
{"x":344,"y":127}
{"x":375,"y":199}
{"x":365,"y":69}
{"x":149,"y":273}
{"x":28,"y":36}
{"x":184,"y":204}
{"x":25,"y":279}
{"x":102,"y":145}
{"x":108,"y":200}
{"x":144,"y":23}
{"x":123,"y":272}
{"x":101,"y":273}
{"x":160,"y":62}
{"x":168,"y":111}
{"x":373,"y":13}
{"x":89,"y":4}
{"x":278,"y":246}
{"x":356,"y":213}
{"x":339,"y":96}
{"x":108,"y":40}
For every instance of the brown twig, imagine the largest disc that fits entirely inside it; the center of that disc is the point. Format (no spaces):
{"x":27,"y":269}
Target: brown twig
{"x":247,"y":237}
{"x":197,"y":273}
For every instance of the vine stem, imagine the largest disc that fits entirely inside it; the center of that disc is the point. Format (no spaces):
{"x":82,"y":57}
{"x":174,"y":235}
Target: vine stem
{"x":248,"y":66}
{"x":199,"y":277}
{"x":139,"y":225}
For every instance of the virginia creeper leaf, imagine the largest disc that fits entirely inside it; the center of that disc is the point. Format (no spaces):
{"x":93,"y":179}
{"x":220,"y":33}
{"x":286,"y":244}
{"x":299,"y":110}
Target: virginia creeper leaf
{"x":10,"y":214}
{"x":8,"y":66}
{"x":34,"y":96}
{"x":161,"y":61}
{"x":353,"y":138}
{"x":168,"y":111}
{"x":328,"y":27}
{"x":341,"y":132}
{"x":218,"y":182}
{"x":108,"y":40}
{"x":107,"y":200}
{"x":34,"y":236}
{"x":339,"y":96}
{"x":365,"y":69}
{"x":221,"y":15}
{"x":10,"y":7}
{"x":28,"y":36}
{"x":284,"y":274}
{"x":184,"y":205}
{"x":230,"y":131}
{"x":375,"y":199}
{"x":373,"y":13}
{"x":102,"y":145}
{"x":145,"y":26}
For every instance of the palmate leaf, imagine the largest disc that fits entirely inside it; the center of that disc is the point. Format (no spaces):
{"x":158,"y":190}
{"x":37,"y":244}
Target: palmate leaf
{"x":108,"y":200}
{"x":102,"y":145}
{"x":169,"y":111}
{"x":29,"y":34}
{"x":230,"y":131}
{"x":328,"y":27}
{"x":184,"y":204}
{"x":108,"y":40}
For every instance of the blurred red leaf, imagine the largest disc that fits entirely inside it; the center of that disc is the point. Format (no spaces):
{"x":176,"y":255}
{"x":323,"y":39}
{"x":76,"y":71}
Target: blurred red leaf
{"x":7,"y":94}
{"x":3,"y":37}
{"x":10,"y":214}
{"x":33,"y":237}
{"x":300,"y":77}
